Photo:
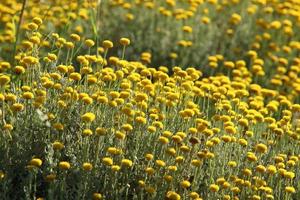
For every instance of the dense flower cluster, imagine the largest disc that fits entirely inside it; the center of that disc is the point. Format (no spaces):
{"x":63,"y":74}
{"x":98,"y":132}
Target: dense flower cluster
{"x":79,"y":120}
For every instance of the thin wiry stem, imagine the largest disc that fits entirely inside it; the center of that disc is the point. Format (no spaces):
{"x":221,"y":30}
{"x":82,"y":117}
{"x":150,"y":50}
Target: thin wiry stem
{"x":18,"y":31}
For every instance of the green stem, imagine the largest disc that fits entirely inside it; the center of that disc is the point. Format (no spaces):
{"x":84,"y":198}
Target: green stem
{"x":18,"y":31}
{"x":123,"y":52}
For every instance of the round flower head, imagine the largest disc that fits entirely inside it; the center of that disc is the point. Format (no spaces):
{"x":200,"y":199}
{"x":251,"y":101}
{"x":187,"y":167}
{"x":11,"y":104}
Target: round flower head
{"x":290,"y":189}
{"x":37,"y":20}
{"x":57,"y":145}
{"x":107,"y":44}
{"x":17,"y":107}
{"x":261,"y":148}
{"x":89,"y":43}
{"x":88,"y":117}
{"x":4,"y":79}
{"x":107,"y":161}
{"x":173,"y":195}
{"x":185,"y":184}
{"x":87,"y":132}
{"x":32,"y":26}
{"x":64,"y":165}
{"x":75,"y":37}
{"x":124,"y":41}
{"x":97,"y":196}
{"x":36,"y":162}
{"x":214,"y":188}
{"x":126,"y":162}
{"x":87,"y":166}
{"x":115,"y":168}
{"x":19,"y":70}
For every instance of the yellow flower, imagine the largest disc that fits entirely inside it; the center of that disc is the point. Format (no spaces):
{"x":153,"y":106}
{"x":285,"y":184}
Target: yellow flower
{"x":269,"y":196}
{"x":179,"y":159}
{"x":19,"y":70}
{"x":141,"y":183}
{"x":124,"y":41}
{"x":28,"y":95}
{"x":36,"y":162}
{"x":290,"y":189}
{"x":235,"y":189}
{"x":75,"y":37}
{"x":173,"y":195}
{"x":149,"y":156}
{"x":271,"y":169}
{"x":243,"y":142}
{"x":2,"y":97}
{"x":151,"y":129}
{"x":126,"y":162}
{"x":87,"y":100}
{"x":88,"y":117}
{"x":4,"y":79}
{"x":58,"y":126}
{"x":8,"y":127}
{"x":112,"y":150}
{"x":52,"y":56}
{"x":256,"y":197}
{"x":87,"y":132}
{"x":97,"y":196}
{"x":160,"y":163}
{"x":37,"y":20}
{"x":141,"y":120}
{"x":127,"y":127}
{"x":120,"y":135}
{"x":2,"y":174}
{"x":261,"y":148}
{"x":150,"y":170}
{"x":172,"y":168}
{"x":57,"y":145}
{"x":150,"y":189}
{"x":226,"y":185}
{"x":75,"y":76}
{"x":115,"y":168}
{"x":226,"y":138}
{"x":89,"y":43}
{"x":107,"y":161}
{"x":87,"y":166}
{"x":17,"y":107}
{"x":251,"y":157}
{"x":196,"y":162}
{"x":168,"y":178}
{"x":230,"y":129}
{"x":220,"y":181}
{"x":232,"y":164}
{"x":100,"y":131}
{"x":289,"y":175}
{"x":205,"y":20}
{"x":243,"y":122}
{"x":64,"y":165}
{"x":50,"y":177}
{"x":163,"y":140}
{"x":32,"y":26}
{"x":214,"y":188}
{"x":260,"y":168}
{"x":194,"y":195}
{"x":107,"y":44}
{"x":70,"y":45}
{"x":185,"y":184}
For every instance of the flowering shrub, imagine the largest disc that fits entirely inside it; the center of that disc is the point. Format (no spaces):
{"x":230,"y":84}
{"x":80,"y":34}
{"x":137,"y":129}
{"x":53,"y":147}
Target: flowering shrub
{"x":90,"y":110}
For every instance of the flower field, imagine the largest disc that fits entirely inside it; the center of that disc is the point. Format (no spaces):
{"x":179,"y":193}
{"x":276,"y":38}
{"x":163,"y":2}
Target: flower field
{"x":150,"y":99}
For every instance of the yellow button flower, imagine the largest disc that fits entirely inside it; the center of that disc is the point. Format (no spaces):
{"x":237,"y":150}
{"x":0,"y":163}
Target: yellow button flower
{"x":64,"y":165}
{"x":88,"y":117}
